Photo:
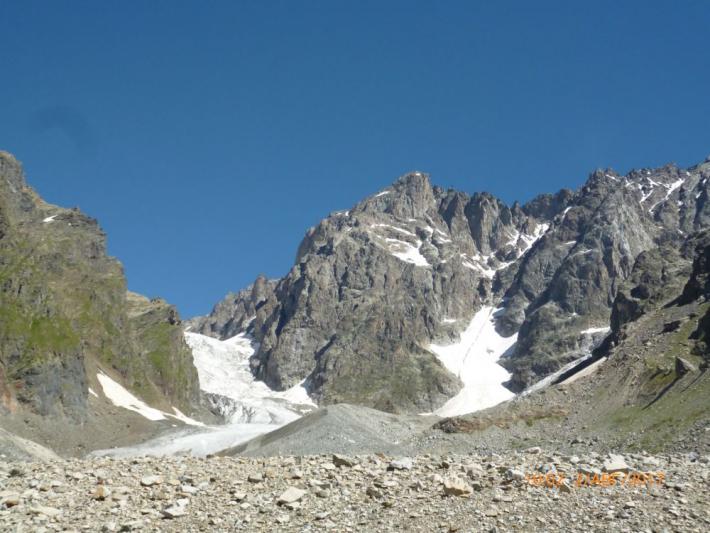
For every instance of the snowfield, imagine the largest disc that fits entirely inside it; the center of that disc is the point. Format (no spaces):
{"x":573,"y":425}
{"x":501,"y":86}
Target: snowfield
{"x":474,"y":359}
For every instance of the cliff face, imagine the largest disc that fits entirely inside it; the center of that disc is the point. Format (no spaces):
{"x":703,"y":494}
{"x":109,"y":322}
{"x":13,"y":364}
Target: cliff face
{"x":373,"y":287}
{"x":64,"y":308}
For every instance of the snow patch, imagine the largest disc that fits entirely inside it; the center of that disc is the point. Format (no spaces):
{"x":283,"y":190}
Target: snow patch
{"x":49,"y":219}
{"x":672,"y":187}
{"x":121,"y":397}
{"x":582,"y":252}
{"x":381,"y":193}
{"x":394,"y":228}
{"x":530,"y":240}
{"x":407,"y":252}
{"x":486,"y":271}
{"x":474,"y":359}
{"x":184,"y":418}
{"x":91,"y":391}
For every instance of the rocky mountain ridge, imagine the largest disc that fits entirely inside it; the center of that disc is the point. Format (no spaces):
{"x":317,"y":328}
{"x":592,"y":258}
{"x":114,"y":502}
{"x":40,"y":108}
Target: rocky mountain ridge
{"x":374,"y":287}
{"x":66,"y":318}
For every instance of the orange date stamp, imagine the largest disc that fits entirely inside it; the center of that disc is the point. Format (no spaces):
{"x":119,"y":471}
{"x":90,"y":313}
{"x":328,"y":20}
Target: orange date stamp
{"x":605,"y":479}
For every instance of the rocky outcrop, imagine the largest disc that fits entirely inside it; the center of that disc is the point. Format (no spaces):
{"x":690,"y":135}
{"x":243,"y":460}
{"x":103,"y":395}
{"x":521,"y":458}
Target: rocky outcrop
{"x":570,"y":280}
{"x":64,"y":309}
{"x":374,"y":286}
{"x":235,"y":312}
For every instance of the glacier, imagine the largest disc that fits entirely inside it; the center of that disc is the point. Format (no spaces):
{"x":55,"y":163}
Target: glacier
{"x":249,"y":407}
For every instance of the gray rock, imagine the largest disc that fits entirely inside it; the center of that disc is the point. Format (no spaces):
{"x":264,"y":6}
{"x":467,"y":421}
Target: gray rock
{"x":9,"y":499}
{"x":44,"y":510}
{"x":343,"y":460}
{"x":404,"y":463}
{"x":101,"y":492}
{"x":455,"y":486}
{"x":615,"y":463}
{"x":149,"y":481}
{"x":291,"y":495}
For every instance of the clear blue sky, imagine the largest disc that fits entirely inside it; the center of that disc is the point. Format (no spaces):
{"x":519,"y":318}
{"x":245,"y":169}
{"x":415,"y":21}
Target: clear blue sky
{"x":207,"y":137}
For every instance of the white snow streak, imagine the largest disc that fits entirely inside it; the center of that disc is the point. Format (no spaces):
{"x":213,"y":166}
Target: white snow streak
{"x":530,"y":240}
{"x":474,"y":360}
{"x":592,"y":331}
{"x":49,"y":219}
{"x":564,"y":214}
{"x":395,"y":228}
{"x":672,"y":187}
{"x":120,"y":397}
{"x":184,"y":418}
{"x":407,"y":252}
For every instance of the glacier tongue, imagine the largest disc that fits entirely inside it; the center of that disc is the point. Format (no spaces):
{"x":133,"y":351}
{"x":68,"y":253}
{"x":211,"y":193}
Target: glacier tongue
{"x":474,"y":359}
{"x":249,"y":406}
{"x":230,"y":387}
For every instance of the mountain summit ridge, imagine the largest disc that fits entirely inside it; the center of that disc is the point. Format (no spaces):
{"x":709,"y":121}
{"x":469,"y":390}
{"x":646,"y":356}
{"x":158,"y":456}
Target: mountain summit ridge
{"x":374,"y":286}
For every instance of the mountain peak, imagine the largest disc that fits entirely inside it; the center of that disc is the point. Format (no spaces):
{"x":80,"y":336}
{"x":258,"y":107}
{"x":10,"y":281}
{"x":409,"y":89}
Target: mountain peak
{"x":408,"y":197}
{"x":415,"y":178}
{"x":11,"y":169}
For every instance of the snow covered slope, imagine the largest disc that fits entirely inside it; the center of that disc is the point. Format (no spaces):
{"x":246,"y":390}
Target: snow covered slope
{"x":474,"y":359}
{"x":228,"y":383}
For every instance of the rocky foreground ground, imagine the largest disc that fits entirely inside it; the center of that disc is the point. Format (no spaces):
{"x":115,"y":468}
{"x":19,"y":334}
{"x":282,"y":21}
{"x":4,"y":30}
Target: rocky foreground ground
{"x":532,"y":490}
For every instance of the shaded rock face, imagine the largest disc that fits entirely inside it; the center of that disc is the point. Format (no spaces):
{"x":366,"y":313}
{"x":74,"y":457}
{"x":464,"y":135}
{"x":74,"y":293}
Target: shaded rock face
{"x":233,"y":314}
{"x":374,"y":286}
{"x":64,"y":307}
{"x":570,"y":280}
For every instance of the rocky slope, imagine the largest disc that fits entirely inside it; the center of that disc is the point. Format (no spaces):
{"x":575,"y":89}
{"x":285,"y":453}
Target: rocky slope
{"x":374,"y":289}
{"x":66,"y":317}
{"x":646,"y":387}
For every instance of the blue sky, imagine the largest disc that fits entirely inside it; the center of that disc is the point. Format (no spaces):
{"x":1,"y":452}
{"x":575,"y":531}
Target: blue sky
{"x":207,"y":137}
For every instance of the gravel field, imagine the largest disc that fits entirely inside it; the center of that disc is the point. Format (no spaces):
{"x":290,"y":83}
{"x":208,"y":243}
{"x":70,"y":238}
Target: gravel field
{"x":450,"y":493}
